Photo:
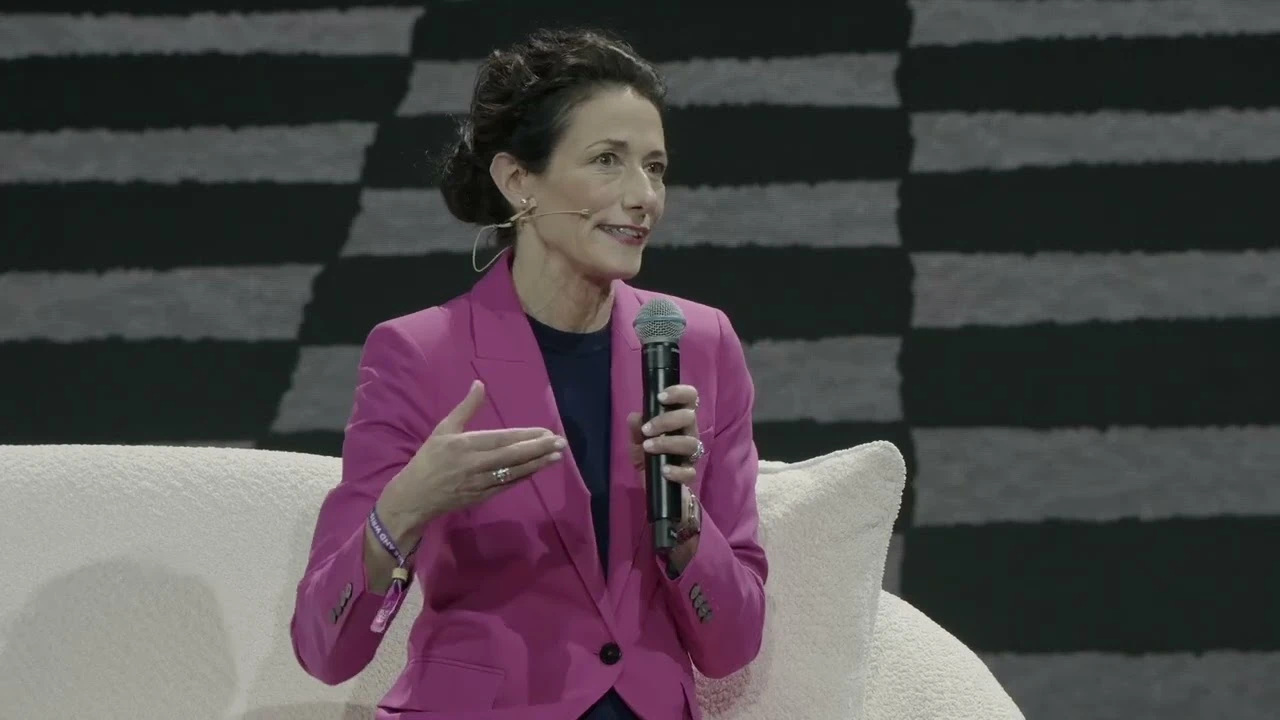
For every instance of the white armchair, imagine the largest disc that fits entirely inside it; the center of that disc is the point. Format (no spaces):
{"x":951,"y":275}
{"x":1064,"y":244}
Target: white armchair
{"x":158,"y":582}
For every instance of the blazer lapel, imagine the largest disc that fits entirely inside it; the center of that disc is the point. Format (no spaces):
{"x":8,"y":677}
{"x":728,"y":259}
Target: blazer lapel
{"x":510,"y":364}
{"x":627,"y":505}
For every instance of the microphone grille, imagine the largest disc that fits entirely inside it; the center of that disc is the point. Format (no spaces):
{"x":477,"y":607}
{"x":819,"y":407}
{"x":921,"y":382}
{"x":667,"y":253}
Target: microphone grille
{"x":659,"y":320}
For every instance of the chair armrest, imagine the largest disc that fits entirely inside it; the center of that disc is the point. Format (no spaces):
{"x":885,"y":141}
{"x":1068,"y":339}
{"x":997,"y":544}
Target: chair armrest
{"x":919,"y":671}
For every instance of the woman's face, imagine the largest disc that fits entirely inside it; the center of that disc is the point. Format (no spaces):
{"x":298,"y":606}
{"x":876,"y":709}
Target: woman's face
{"x":610,"y":161}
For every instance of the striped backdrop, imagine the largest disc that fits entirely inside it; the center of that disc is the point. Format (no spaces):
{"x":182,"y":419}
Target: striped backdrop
{"x":1035,"y":244}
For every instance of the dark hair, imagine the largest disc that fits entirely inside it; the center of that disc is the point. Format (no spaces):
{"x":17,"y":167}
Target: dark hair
{"x":520,"y":105}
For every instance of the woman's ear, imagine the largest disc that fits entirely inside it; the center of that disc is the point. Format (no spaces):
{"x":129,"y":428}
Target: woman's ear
{"x":510,"y":178}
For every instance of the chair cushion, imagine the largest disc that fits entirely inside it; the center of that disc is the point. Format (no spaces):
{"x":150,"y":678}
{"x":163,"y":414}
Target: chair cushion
{"x":825,"y":524}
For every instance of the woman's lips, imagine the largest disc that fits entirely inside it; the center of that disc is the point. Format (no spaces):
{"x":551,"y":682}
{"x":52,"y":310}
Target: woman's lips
{"x":626,"y":234}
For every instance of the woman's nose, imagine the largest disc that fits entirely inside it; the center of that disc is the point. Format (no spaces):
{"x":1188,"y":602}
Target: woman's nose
{"x":640,"y":192}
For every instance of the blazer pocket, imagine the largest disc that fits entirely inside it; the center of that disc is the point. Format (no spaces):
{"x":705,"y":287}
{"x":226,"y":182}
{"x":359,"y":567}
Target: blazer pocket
{"x":444,"y":685}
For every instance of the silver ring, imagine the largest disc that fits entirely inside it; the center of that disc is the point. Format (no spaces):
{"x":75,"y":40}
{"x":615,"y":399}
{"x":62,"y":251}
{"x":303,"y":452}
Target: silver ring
{"x":698,"y":453}
{"x":502,"y":475}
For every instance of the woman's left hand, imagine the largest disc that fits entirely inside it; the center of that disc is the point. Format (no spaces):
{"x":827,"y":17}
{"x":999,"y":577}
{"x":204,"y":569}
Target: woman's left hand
{"x":673,"y":432}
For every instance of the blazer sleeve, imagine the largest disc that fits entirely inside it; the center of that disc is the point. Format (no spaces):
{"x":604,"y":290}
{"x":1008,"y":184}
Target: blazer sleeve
{"x":334,"y":606}
{"x":718,"y":600}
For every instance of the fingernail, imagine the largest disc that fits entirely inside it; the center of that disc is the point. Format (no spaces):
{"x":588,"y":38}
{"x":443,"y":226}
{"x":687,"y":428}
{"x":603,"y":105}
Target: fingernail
{"x":559,"y":443}
{"x":649,"y":444}
{"x":662,"y":396}
{"x":555,"y":456}
{"x":647,"y":429}
{"x":666,"y":471}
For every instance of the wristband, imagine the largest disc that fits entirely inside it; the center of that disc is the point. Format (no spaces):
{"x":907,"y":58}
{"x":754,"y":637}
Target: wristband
{"x":399,"y":576}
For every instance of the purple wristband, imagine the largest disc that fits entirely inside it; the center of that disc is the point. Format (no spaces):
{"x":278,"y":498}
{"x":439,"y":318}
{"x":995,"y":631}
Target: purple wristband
{"x":384,"y":538}
{"x":399,"y":576}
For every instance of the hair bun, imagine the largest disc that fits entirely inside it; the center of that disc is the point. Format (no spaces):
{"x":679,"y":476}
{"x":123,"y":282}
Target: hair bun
{"x":460,"y":184}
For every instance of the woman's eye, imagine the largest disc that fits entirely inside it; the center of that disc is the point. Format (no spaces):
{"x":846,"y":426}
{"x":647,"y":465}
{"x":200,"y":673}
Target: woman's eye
{"x":658,"y":168}
{"x":607,"y":159}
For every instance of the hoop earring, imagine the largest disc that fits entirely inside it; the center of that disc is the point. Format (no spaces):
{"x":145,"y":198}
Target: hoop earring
{"x":511,"y":221}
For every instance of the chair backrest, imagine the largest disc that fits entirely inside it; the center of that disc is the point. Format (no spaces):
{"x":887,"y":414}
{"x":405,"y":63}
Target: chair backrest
{"x":158,"y":582}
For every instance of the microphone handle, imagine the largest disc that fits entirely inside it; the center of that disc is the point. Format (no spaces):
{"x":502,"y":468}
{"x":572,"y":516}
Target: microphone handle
{"x":661,"y":367}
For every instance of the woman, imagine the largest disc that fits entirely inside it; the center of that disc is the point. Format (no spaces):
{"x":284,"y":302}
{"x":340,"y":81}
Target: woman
{"x":494,"y":449}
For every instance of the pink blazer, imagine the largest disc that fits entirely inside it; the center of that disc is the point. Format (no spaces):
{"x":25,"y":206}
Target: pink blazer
{"x":518,"y":619}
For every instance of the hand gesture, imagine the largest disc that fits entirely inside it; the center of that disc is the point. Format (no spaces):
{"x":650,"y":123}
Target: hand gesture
{"x":456,"y":468}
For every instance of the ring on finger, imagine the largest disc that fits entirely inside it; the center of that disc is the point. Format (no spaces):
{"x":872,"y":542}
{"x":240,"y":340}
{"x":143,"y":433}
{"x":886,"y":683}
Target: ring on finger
{"x":501,"y":475}
{"x":698,"y":452}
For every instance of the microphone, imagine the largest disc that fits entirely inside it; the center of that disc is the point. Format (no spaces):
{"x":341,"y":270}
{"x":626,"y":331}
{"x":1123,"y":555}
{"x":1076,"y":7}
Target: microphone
{"x":511,"y":222}
{"x":583,"y":212}
{"x":659,"y":325}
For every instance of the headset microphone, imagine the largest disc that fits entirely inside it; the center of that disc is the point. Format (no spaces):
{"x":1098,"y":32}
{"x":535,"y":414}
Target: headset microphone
{"x":526,"y":214}
{"x":583,"y":212}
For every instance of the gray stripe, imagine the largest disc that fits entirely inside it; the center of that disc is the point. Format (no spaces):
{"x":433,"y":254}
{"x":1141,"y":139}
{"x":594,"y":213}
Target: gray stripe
{"x":222,"y":303}
{"x":954,"y":290}
{"x":1218,"y":684}
{"x":952,"y":22}
{"x":791,"y":378}
{"x":955,"y":142}
{"x":981,"y":475}
{"x":835,"y":80}
{"x":829,"y":214}
{"x":828,"y":380}
{"x":305,"y":153}
{"x":322,"y":390}
{"x":366,"y":31}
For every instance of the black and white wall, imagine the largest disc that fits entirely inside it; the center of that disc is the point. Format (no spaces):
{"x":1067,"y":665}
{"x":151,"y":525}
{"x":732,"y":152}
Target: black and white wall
{"x":1036,"y":244}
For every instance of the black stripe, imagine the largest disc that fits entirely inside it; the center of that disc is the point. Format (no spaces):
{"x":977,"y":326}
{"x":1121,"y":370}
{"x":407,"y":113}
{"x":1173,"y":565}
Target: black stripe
{"x":868,"y":288}
{"x":1155,"y":74}
{"x":95,"y":226}
{"x":1132,"y":373}
{"x":156,"y":391}
{"x":776,"y":440}
{"x":1211,"y":206}
{"x":315,"y":442}
{"x":735,"y":145}
{"x":1166,"y":586}
{"x":136,"y":92}
{"x":673,"y":29}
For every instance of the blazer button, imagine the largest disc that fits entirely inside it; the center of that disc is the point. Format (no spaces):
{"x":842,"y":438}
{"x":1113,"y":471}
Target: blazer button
{"x":610,"y":654}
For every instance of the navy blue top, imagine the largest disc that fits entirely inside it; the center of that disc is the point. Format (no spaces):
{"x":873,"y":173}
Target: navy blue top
{"x":578,"y":365}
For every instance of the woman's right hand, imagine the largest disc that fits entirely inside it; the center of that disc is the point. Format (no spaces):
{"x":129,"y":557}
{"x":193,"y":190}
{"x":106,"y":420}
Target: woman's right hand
{"x":454,"y":467}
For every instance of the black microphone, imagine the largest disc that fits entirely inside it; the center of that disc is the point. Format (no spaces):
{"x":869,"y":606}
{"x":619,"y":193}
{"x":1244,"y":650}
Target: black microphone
{"x":659,"y":325}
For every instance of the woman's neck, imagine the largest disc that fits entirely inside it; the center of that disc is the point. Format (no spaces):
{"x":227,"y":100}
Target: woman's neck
{"x":555,"y":294}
